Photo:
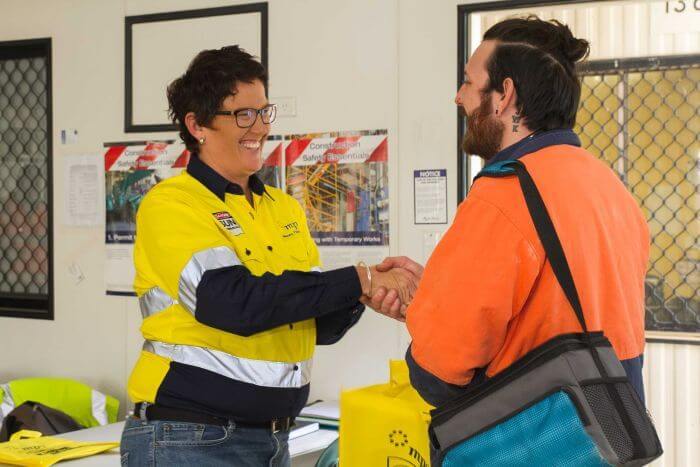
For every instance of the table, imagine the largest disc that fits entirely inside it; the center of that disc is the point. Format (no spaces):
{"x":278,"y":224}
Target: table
{"x":304,"y":452}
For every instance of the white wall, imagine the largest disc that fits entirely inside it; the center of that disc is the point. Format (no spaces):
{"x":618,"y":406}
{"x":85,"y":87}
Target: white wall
{"x":351,"y":65}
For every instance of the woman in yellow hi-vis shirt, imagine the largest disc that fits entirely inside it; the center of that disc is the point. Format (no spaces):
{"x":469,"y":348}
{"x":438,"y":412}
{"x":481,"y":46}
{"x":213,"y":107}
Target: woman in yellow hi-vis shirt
{"x":229,"y":286}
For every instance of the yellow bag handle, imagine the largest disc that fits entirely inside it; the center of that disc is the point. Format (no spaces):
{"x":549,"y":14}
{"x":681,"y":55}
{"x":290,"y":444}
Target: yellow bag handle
{"x":399,"y":380}
{"x":398,"y":372}
{"x":25,"y":434}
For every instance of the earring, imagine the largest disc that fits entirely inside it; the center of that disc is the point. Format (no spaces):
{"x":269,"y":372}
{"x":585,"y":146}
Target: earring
{"x":202,"y":140}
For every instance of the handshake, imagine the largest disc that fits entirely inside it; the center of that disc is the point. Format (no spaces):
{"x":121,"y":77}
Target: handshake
{"x":389,"y":287}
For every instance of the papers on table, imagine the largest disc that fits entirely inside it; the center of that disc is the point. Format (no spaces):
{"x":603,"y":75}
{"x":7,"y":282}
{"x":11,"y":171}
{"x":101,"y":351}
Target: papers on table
{"x":316,"y":441}
{"x":316,"y":414}
{"x":302,"y":428}
{"x":327,"y":414}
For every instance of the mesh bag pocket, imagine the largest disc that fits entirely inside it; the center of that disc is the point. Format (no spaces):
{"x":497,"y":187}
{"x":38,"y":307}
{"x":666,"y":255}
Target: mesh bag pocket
{"x":611,"y":403}
{"x":548,"y":432}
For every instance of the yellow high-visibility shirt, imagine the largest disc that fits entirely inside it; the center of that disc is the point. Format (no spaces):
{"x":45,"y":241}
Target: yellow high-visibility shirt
{"x":231,"y":294}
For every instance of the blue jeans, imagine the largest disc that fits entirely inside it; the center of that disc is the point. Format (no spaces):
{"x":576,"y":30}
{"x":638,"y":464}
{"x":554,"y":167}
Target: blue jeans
{"x":163,"y":443}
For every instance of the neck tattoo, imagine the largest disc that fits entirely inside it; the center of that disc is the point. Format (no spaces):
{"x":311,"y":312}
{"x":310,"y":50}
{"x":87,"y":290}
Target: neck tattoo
{"x":516,"y":122}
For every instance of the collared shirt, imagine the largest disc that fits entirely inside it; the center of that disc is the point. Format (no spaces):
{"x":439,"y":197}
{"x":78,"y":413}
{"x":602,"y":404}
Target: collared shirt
{"x":535,"y":142}
{"x":218,"y":184}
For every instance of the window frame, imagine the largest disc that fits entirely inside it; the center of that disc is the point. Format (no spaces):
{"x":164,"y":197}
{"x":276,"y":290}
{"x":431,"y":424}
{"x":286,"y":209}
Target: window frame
{"x":36,"y":306}
{"x":129,"y":125}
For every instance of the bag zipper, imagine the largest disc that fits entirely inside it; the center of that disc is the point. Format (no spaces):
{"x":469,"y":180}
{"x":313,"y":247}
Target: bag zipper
{"x":531,"y":360}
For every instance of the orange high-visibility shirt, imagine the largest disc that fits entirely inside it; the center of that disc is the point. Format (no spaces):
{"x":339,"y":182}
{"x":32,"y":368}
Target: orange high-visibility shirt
{"x":488,"y":296}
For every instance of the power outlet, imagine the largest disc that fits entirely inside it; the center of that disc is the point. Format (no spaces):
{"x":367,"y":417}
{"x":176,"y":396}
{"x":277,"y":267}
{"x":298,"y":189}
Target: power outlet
{"x":286,"y":106}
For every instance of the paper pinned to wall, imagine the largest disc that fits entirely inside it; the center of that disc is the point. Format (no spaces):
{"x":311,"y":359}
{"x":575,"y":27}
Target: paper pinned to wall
{"x":83,"y":187}
{"x":430,"y":196}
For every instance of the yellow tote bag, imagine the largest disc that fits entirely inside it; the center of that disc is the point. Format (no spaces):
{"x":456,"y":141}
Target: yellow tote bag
{"x":29,"y":448}
{"x":385,"y":425}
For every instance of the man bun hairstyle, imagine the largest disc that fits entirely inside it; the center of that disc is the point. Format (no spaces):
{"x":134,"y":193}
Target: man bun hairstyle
{"x":552,"y":37}
{"x":540,"y":57}
{"x":210,"y":78}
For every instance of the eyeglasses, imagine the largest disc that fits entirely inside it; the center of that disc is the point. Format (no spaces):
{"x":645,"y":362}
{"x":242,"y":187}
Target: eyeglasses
{"x":245,"y":118}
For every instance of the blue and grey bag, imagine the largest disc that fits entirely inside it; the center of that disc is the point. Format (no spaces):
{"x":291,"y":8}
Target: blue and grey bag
{"x":566,"y":403}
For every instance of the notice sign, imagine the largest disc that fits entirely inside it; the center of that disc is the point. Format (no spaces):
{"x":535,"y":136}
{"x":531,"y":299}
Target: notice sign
{"x":430,"y":196}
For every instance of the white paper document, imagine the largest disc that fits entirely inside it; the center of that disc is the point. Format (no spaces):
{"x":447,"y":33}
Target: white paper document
{"x":83,"y":188}
{"x":315,"y":441}
{"x":322,"y":409}
{"x":302,"y":428}
{"x":430,"y":191}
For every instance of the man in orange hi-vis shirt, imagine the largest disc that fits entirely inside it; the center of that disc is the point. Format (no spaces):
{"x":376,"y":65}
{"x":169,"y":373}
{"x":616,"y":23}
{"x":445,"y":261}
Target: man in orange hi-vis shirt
{"x":488,"y":294}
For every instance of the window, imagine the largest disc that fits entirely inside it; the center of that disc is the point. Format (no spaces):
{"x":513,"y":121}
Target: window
{"x":25,"y":179}
{"x":642,"y":117}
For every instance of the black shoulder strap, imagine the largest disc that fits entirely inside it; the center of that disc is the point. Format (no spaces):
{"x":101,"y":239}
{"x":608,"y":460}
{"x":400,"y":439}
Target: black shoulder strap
{"x":555,"y":254}
{"x":549,"y":238}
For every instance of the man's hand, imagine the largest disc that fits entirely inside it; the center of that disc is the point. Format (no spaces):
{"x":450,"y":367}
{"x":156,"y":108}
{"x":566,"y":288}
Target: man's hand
{"x":404,"y":262}
{"x":386,"y":300}
{"x":402,"y":281}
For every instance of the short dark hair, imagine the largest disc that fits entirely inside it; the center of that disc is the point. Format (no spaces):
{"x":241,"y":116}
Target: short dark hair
{"x":209,"y":79}
{"x":540,"y":57}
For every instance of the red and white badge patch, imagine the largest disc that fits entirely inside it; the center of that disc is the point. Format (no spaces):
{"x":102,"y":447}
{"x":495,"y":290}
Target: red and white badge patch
{"x":228,"y":222}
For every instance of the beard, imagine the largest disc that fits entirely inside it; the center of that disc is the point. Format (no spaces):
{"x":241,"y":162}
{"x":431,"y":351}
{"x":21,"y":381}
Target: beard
{"x":484,"y":131}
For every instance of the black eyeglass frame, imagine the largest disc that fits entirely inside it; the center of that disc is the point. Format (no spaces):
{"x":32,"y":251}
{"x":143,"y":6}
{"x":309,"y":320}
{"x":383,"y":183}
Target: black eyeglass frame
{"x":235,"y":113}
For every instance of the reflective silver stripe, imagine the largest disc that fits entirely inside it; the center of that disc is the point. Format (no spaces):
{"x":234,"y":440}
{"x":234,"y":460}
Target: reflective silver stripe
{"x":213,"y":258}
{"x":99,"y":407}
{"x":7,"y":404}
{"x":316,"y":269}
{"x":154,"y":301}
{"x":257,"y":372}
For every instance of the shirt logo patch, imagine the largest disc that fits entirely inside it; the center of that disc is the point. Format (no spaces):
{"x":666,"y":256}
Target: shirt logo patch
{"x":228,"y":222}
{"x":290,"y":229}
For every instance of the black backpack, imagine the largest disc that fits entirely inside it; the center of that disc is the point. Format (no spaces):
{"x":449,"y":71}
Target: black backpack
{"x":37,"y":417}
